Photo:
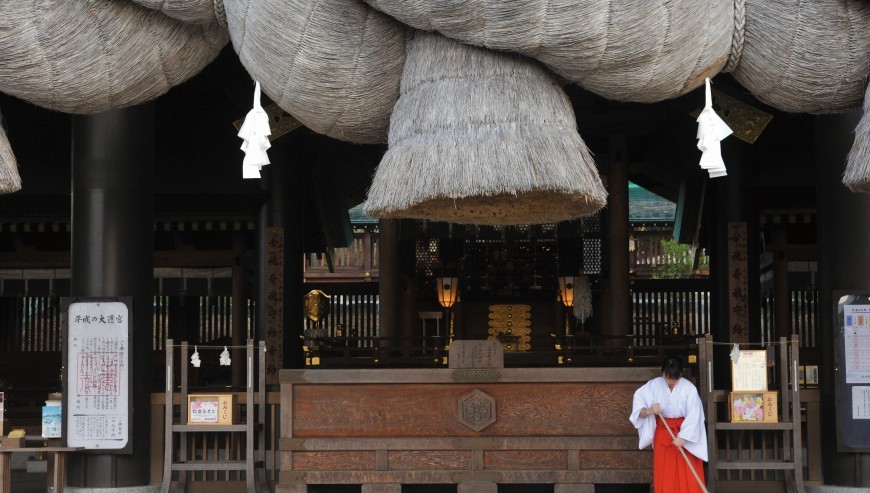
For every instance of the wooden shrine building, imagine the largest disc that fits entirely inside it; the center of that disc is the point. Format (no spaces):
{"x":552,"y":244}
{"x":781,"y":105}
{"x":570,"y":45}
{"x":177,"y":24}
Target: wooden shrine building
{"x":364,"y":320}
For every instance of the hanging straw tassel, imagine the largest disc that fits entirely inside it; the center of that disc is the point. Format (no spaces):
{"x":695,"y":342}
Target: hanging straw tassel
{"x":255,"y":134}
{"x":582,"y":298}
{"x":711,"y":131}
{"x":857,"y":175}
{"x":10,"y":181}
{"x":482,"y":137}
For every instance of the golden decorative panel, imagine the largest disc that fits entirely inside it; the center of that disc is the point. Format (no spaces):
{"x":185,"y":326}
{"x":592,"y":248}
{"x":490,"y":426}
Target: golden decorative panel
{"x":511,"y":325}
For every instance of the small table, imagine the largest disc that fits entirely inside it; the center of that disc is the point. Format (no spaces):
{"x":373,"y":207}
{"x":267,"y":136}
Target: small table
{"x":57,"y":476}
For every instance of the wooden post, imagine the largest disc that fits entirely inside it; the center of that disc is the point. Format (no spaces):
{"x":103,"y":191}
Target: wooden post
{"x":618,"y":257}
{"x":112,"y":255}
{"x":781,"y":294}
{"x":239,"y":306}
{"x":390,"y":295}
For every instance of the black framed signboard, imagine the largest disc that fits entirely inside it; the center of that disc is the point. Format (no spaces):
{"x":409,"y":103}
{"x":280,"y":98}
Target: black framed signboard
{"x":96,"y":358}
{"x":852,"y":388}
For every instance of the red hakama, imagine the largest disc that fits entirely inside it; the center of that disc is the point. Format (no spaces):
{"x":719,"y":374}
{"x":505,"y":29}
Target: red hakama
{"x":671,"y":474}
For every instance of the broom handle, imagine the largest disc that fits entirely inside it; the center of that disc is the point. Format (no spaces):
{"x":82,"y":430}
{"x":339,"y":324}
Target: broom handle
{"x":691,"y":468}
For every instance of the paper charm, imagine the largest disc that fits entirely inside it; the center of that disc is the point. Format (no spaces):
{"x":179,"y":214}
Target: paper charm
{"x":194,"y":358}
{"x":735,"y":353}
{"x":225,"y":357}
{"x":255,"y":133}
{"x":711,"y":131}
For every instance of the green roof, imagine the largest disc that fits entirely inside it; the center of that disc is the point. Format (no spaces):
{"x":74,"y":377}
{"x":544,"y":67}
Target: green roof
{"x":647,"y":207}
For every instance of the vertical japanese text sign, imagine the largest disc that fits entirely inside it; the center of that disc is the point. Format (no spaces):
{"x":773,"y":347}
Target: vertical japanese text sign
{"x":98,"y":362}
{"x":738,"y":282}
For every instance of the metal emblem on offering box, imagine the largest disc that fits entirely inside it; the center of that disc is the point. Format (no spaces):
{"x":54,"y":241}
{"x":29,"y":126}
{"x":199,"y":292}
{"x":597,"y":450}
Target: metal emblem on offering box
{"x":511,"y":325}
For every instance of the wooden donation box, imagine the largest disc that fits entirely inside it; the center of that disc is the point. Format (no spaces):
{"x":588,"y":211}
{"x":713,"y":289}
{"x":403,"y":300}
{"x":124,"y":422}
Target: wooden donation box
{"x":750,"y":401}
{"x":211,"y":409}
{"x":473,"y":425}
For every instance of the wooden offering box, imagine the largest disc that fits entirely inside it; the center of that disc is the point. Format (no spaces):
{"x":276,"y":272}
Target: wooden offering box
{"x":753,"y":407}
{"x":211,"y":409}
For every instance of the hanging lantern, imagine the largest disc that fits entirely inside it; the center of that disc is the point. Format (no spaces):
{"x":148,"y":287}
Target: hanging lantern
{"x":566,"y":290}
{"x":448,"y":290}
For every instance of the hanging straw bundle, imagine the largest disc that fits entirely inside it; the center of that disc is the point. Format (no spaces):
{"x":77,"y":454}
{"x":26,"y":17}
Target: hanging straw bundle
{"x":335,"y":65}
{"x":482,"y":137}
{"x":857,"y":175}
{"x":193,"y":11}
{"x":87,"y":56}
{"x":9,"y":179}
{"x":626,"y":50}
{"x":807,"y":57}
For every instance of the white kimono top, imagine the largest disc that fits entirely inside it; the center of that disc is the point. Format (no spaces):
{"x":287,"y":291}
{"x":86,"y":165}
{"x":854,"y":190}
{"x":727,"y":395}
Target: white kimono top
{"x":682,"y":402}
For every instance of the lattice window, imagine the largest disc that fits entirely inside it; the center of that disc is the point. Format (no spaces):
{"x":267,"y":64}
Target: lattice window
{"x":427,"y":256}
{"x":592,"y":255}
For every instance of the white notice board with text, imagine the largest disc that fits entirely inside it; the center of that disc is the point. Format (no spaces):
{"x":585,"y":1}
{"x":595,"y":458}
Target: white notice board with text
{"x":98,"y":364}
{"x":749,"y":373}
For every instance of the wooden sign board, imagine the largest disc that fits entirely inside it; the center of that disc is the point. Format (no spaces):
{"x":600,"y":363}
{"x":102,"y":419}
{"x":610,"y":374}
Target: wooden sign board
{"x":753,"y":407}
{"x":750,"y":371}
{"x":476,"y":354}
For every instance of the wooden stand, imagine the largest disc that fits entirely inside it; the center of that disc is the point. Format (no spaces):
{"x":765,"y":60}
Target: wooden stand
{"x":252,"y":429}
{"x":56,"y":478}
{"x":789,"y":425}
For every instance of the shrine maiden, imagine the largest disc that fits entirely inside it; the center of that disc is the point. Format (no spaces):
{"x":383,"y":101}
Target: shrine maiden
{"x":677,"y":401}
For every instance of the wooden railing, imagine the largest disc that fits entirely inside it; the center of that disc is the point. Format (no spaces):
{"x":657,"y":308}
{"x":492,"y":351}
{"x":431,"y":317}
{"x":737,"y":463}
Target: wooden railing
{"x":211,"y":445}
{"x":758,"y":445}
{"x":673,"y":307}
{"x":431,"y":352}
{"x":804,"y":317}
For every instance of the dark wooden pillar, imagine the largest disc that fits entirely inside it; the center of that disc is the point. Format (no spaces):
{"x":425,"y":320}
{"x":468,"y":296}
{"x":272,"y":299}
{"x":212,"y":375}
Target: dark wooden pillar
{"x":389,"y":288}
{"x":113,"y":255}
{"x":617,"y":249}
{"x":844,"y":264}
{"x":731,"y":206}
{"x":781,"y":293}
{"x":239,"y":307}
{"x":409,"y":319}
